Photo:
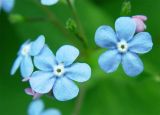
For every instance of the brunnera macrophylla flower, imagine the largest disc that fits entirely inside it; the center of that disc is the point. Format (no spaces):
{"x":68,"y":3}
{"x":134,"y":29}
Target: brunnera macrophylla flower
{"x":123,"y":46}
{"x":57,"y":73}
{"x":37,"y":108}
{"x":7,"y":5}
{"x":49,"y":2}
{"x":140,"y":19}
{"x":24,"y":59}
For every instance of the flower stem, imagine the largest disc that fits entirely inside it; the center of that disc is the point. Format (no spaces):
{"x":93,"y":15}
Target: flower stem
{"x":79,"y":102}
{"x":56,"y":23}
{"x":80,"y":34}
{"x":52,"y":18}
{"x":35,"y":19}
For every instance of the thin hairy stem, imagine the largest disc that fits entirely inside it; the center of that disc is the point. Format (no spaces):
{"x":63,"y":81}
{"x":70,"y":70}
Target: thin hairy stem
{"x":80,"y":34}
{"x":35,"y":19}
{"x":52,"y":18}
{"x":79,"y":102}
{"x":56,"y":23}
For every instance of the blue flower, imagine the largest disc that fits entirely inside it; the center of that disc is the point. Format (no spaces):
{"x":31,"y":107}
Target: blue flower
{"x":37,"y":108}
{"x":49,"y":2}
{"x":123,"y":46}
{"x":6,"y":5}
{"x":57,"y":72}
{"x":24,"y":60}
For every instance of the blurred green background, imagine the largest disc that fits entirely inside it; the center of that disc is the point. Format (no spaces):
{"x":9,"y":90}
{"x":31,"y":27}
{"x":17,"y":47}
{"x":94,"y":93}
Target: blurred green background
{"x":104,"y":94}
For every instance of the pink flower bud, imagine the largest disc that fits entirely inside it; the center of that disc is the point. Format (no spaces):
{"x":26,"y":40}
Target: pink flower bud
{"x":35,"y":95}
{"x":140,"y":19}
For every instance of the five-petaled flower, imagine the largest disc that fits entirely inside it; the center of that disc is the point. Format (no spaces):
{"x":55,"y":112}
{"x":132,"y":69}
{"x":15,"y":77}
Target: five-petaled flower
{"x":123,"y":46}
{"x":6,"y":5}
{"x":37,"y":108}
{"x":24,"y":60}
{"x":57,"y":72}
{"x":49,"y":2}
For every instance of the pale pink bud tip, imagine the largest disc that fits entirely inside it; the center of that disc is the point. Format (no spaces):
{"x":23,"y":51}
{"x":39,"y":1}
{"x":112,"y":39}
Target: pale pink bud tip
{"x":35,"y":95}
{"x":29,"y":91}
{"x":139,"y":19}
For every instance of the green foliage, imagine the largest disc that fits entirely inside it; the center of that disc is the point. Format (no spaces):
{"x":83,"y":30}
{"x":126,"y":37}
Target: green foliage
{"x":16,"y":18}
{"x":126,"y":8}
{"x":71,"y":25}
{"x":106,"y":94}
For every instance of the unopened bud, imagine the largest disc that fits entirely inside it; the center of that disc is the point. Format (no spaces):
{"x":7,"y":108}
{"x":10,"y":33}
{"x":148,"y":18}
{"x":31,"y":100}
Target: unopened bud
{"x":140,"y":19}
{"x":71,"y":25}
{"x":16,"y":18}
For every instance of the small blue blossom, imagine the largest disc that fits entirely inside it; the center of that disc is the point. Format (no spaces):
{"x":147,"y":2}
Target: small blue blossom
{"x":123,"y":46}
{"x":7,"y":5}
{"x":49,"y":2}
{"x":57,"y":72}
{"x":24,"y":60}
{"x":37,"y":108}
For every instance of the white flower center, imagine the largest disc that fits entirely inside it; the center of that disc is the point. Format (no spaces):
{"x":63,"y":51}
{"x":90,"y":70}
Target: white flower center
{"x":25,"y":50}
{"x":122,"y":46}
{"x":59,"y":70}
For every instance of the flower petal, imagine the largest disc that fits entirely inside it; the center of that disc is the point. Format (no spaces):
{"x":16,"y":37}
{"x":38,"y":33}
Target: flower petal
{"x":49,"y":2}
{"x":7,"y":5}
{"x":110,"y":60}
{"x":132,"y":64}
{"x":140,"y":25}
{"x":51,"y":112}
{"x":65,"y":89}
{"x":37,"y":45}
{"x":0,"y":5}
{"x":42,"y":82}
{"x":29,"y":91}
{"x":67,"y":54}
{"x":141,"y":17}
{"x":141,"y":43}
{"x":105,"y":37}
{"x":26,"y":67}
{"x":37,"y":95}
{"x":16,"y":65}
{"x":45,"y":60}
{"x":79,"y":72}
{"x":26,"y":43}
{"x":125,"y":28}
{"x":36,"y":107}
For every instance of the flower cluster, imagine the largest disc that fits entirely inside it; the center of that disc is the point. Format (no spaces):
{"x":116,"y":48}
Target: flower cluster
{"x":55,"y":73}
{"x":6,"y":5}
{"x":37,"y":108}
{"x":123,"y":46}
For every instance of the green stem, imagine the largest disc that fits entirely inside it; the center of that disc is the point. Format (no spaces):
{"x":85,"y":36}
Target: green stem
{"x":56,"y":23}
{"x":80,"y":34}
{"x":35,"y":19}
{"x":52,"y":18}
{"x":79,"y":102}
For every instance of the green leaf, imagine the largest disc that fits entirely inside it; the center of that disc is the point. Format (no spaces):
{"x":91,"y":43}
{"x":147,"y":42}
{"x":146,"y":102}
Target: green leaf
{"x":126,"y":8}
